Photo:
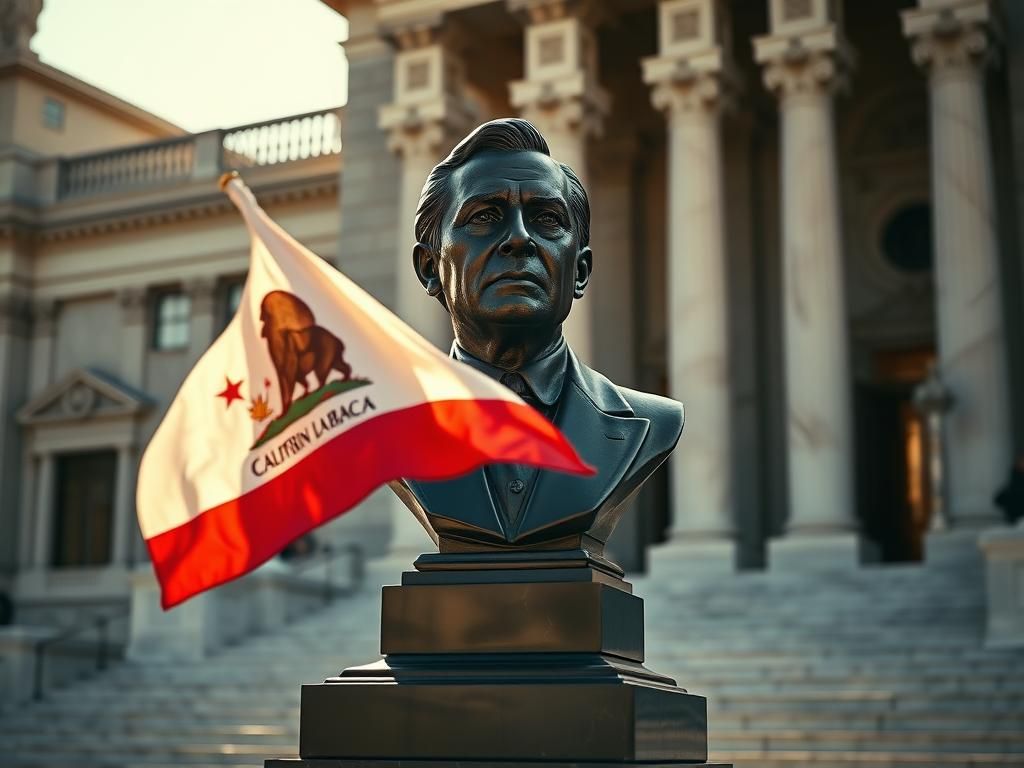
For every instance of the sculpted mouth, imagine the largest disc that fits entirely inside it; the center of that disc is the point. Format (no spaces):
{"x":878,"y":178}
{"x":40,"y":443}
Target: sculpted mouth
{"x":517,"y":277}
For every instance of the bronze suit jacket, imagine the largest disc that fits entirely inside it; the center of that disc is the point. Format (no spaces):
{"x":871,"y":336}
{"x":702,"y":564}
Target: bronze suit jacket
{"x":623,"y":433}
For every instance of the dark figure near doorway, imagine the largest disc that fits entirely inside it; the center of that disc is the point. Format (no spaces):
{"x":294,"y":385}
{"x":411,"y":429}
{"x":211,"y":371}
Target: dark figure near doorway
{"x":1010,"y":497}
{"x":503,"y":242}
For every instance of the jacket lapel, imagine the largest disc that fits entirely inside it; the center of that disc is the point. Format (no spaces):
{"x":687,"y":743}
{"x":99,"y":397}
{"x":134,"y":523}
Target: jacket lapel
{"x":465,"y":499}
{"x":602,"y":427}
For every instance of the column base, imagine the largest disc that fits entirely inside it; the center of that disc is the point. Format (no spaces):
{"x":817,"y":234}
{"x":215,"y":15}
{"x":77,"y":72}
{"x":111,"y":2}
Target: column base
{"x":953,"y":547}
{"x":799,"y":553}
{"x":704,"y":555}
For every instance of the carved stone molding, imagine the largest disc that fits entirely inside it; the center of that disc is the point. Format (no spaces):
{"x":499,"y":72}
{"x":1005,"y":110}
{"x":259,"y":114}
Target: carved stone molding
{"x":429,"y":110}
{"x":806,"y":55}
{"x":686,"y":89}
{"x":805,"y":72}
{"x":561,"y":93}
{"x":568,"y":114}
{"x":952,"y":37}
{"x":83,"y":394}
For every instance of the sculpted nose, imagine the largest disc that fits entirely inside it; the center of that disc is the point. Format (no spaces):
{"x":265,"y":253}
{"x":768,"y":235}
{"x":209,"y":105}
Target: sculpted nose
{"x":517,"y":239}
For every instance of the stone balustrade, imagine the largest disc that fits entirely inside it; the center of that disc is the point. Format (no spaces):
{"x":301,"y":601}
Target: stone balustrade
{"x":283,"y":141}
{"x":200,"y":156}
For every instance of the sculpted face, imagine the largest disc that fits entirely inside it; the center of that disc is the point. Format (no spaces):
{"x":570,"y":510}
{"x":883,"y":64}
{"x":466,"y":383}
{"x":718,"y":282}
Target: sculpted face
{"x":509,"y":252}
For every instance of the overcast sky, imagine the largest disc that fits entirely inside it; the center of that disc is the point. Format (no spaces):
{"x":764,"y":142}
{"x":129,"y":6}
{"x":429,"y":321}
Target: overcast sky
{"x":201,"y":63}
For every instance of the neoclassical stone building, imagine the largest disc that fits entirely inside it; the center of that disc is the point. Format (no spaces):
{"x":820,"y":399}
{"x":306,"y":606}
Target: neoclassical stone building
{"x":799,"y":206}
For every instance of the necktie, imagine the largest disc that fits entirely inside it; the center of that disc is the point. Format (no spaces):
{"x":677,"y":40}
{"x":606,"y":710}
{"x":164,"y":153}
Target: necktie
{"x":517,"y":384}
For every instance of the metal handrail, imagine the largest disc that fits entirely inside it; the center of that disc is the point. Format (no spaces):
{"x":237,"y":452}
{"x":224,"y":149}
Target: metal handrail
{"x":100,"y":623}
{"x":357,"y":569}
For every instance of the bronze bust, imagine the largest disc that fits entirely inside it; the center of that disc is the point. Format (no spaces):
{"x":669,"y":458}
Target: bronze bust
{"x":503,"y":242}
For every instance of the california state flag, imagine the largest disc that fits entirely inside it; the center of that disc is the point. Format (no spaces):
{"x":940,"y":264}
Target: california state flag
{"x":313,"y":396}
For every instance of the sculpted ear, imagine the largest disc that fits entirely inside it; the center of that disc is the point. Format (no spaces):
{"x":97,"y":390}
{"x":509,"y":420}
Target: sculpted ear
{"x":424,"y":261}
{"x":584,"y":268}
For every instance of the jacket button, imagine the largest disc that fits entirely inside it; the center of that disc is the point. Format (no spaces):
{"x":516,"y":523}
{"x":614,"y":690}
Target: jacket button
{"x":516,"y":486}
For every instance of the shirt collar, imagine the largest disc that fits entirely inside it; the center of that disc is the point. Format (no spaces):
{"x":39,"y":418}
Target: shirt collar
{"x":544,"y":375}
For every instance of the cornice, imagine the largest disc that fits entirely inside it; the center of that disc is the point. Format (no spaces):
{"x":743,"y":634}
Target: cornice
{"x":46,"y":225}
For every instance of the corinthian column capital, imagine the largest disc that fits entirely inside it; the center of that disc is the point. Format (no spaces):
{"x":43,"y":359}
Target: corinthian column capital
{"x":429,"y":111}
{"x":560,"y":93}
{"x":952,"y":35}
{"x":803,"y":67}
{"x":806,"y":54}
{"x":693,"y":71}
{"x":680,"y":88}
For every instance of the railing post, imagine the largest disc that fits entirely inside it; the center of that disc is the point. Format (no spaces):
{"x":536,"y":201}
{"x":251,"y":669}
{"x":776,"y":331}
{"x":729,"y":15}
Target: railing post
{"x":208,"y":158}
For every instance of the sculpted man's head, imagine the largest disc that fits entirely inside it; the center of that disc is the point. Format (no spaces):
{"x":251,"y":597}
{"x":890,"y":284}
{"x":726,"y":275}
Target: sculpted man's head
{"x":503,"y":234}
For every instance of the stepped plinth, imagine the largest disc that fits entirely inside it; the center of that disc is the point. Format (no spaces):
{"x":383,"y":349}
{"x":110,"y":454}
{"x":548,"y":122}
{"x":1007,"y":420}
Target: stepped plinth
{"x":531,"y":658}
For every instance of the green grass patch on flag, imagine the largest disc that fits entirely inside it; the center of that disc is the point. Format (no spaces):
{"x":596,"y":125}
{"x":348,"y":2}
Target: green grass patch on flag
{"x":301,"y":407}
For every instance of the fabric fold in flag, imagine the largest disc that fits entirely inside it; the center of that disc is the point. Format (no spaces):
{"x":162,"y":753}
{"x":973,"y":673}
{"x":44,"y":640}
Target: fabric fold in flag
{"x":313,"y":396}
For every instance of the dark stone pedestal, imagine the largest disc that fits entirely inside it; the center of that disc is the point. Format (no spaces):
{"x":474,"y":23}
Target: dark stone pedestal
{"x":506,"y":661}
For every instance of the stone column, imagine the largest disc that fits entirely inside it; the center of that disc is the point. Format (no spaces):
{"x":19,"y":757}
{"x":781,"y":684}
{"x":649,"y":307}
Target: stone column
{"x":44,"y":331}
{"x":124,"y":507}
{"x":427,"y":117}
{"x":689,"y":80}
{"x":46,"y":481}
{"x":805,"y":59}
{"x":202,"y":293}
{"x":560,"y":95}
{"x":134,"y":338}
{"x":953,"y":41}
{"x":15,"y":317}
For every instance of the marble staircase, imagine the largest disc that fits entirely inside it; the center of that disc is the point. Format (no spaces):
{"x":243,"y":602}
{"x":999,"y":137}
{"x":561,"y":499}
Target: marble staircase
{"x":879,"y":666}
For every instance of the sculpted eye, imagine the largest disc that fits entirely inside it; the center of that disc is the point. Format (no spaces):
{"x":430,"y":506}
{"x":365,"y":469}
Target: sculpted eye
{"x":486,"y":216}
{"x":548,"y":219}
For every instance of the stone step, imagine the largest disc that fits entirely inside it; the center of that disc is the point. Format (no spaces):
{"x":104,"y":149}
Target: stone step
{"x":789,"y":759}
{"x":866,"y":701}
{"x":902,"y":722}
{"x":861,"y":741}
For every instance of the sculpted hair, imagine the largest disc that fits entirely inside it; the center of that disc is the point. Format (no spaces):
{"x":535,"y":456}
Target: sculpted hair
{"x":510,"y":134}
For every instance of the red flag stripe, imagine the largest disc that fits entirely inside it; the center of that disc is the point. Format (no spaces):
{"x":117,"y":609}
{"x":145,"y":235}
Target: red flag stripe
{"x":431,"y":441}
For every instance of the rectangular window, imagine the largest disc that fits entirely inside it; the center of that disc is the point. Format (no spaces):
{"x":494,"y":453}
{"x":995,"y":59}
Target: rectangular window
{"x":232,"y":298}
{"x":53,"y":114}
{"x":84,"y":517}
{"x":172,"y":320}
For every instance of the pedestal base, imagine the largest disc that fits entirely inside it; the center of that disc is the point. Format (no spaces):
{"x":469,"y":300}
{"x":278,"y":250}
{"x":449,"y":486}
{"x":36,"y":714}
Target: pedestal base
{"x":505,"y":659}
{"x":509,"y":707}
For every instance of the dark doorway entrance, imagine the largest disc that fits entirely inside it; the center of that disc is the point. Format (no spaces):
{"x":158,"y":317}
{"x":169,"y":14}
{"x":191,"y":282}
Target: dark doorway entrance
{"x":892,"y":492}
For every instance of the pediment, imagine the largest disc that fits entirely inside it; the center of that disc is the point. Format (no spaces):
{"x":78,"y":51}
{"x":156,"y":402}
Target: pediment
{"x":83,"y":394}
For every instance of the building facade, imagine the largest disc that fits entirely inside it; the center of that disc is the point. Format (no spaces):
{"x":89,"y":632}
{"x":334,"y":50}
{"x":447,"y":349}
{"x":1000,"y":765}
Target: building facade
{"x":800,"y":208}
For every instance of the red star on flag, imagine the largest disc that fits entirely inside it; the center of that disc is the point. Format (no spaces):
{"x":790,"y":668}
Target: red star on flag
{"x":231,"y":391}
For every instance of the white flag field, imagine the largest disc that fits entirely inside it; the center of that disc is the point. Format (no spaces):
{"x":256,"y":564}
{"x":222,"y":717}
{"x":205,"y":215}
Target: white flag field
{"x":313,"y":396}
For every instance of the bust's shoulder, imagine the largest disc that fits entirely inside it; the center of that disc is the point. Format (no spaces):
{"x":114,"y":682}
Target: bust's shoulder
{"x":665,"y":414}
